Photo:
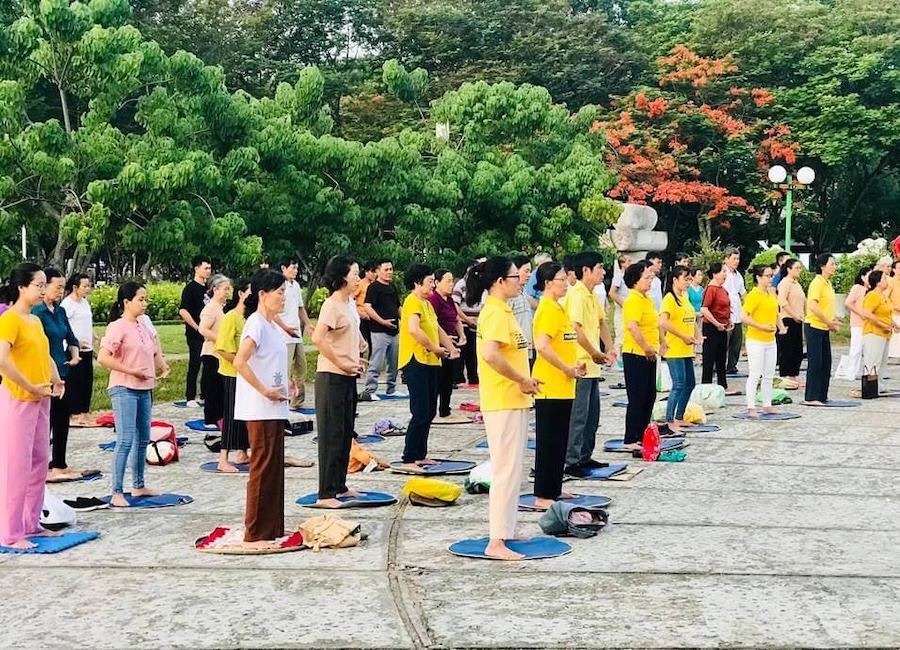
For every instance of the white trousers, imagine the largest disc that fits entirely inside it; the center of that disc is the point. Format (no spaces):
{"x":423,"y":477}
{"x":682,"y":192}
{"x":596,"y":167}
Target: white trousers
{"x":875,"y":354}
{"x":507,"y":434}
{"x":761,"y":359}
{"x":851,"y":370}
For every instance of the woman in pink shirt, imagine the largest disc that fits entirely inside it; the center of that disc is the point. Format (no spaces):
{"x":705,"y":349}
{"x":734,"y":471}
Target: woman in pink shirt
{"x":850,"y":369}
{"x":131,"y":352}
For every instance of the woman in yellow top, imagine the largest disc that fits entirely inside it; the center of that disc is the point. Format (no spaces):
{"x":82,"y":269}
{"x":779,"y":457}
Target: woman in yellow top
{"x":817,"y":328}
{"x":505,"y":388}
{"x":877,"y":324}
{"x":556,"y":367}
{"x":30,"y":380}
{"x":762,"y":320}
{"x":208,"y":325}
{"x":422,"y":346}
{"x":640,"y":350}
{"x":678,"y":319}
{"x":228,"y":341}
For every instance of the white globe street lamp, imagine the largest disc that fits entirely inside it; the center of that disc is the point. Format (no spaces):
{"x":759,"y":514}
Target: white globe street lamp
{"x":784,"y":179}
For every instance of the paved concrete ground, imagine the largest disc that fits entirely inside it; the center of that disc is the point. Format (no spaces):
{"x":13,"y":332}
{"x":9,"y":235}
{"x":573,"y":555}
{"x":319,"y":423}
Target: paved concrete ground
{"x":770,"y":534}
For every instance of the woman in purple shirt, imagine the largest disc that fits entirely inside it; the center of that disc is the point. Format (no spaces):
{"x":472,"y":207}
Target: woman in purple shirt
{"x":448,"y":320}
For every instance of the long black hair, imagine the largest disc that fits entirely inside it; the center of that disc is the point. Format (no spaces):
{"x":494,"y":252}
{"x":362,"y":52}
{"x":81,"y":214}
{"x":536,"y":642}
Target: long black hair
{"x":677,"y":271}
{"x":21,"y":277}
{"x":126,"y":291}
{"x":482,"y":277}
{"x":788,"y":265}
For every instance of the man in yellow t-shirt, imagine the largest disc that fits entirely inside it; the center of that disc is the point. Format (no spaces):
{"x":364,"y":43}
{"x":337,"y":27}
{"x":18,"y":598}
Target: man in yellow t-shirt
{"x":817,"y":327}
{"x":589,"y":321}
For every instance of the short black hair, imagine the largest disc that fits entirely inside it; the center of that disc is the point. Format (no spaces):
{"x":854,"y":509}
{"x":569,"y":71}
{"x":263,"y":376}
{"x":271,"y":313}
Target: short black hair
{"x":200,"y":259}
{"x":780,"y":255}
{"x":416,"y":274}
{"x":383,"y":260}
{"x":634,"y":272}
{"x":822,"y":260}
{"x":546,"y":272}
{"x":653,"y":255}
{"x":519,"y":259}
{"x":588,"y":259}
{"x":370,"y":266}
{"x":288,"y":260}
{"x":334,"y":277}
{"x":74,"y":281}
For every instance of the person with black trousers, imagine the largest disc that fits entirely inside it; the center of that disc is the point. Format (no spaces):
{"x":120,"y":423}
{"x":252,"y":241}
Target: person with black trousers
{"x":448,"y":320}
{"x":339,"y":364}
{"x":716,"y":312}
{"x":64,"y":349}
{"x":641,"y":349}
{"x":193,"y":300}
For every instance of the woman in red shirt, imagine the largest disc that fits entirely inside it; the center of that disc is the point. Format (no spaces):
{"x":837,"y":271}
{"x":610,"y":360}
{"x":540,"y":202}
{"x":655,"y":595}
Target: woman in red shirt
{"x":716,"y":311}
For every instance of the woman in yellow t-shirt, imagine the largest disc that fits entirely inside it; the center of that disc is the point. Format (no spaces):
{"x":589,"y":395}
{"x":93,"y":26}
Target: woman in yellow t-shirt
{"x":877,"y":324}
{"x":556,"y":367}
{"x":677,"y":318}
{"x":422,"y":347}
{"x":762,"y":320}
{"x":30,"y":380}
{"x":640,"y":350}
{"x":228,"y":341}
{"x":505,"y":389}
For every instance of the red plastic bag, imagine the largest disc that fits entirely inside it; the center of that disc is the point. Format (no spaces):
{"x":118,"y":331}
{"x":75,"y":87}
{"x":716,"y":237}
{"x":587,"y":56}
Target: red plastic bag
{"x":650,"y":445}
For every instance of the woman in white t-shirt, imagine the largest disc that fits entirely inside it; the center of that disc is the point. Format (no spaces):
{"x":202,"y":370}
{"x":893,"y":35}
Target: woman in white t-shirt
{"x":339,"y":342}
{"x":262,"y":402}
{"x":80,"y":381}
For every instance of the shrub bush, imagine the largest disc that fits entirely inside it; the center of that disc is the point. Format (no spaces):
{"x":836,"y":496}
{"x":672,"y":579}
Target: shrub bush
{"x":164,"y":300}
{"x":314,"y":304}
{"x":768,"y":257}
{"x":847,"y":268}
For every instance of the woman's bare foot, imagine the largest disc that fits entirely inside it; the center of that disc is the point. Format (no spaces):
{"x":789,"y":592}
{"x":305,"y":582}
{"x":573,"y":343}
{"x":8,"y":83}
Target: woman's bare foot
{"x":543,"y":504}
{"x":21,"y":544}
{"x":118,"y":501}
{"x":43,"y":532}
{"x":632,"y":446}
{"x":242,"y":457}
{"x":768,"y":410}
{"x":261,"y":544}
{"x":812,"y":402}
{"x":226,"y":468}
{"x":68,"y":474}
{"x":425,"y":462}
{"x":351,"y":493}
{"x":565,"y":495}
{"x":751,"y":413}
{"x":328,"y":503}
{"x":497,"y":548}
{"x":145,"y":492}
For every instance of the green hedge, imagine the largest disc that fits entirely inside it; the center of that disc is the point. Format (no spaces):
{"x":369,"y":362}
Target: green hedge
{"x":164,"y":299}
{"x":847,"y":268}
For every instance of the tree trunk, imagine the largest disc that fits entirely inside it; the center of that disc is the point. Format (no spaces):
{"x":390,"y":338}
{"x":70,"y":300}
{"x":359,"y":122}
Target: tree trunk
{"x":145,"y":268}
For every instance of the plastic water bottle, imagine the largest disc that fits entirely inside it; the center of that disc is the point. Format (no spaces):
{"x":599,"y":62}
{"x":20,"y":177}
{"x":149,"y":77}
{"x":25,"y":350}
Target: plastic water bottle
{"x":650,"y":445}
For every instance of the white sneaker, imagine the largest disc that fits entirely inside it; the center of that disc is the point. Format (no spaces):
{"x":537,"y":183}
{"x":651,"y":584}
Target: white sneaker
{"x":193,"y":404}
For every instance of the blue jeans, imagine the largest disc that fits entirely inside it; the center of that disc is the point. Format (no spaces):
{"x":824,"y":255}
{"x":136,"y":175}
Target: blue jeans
{"x":132,"y":410}
{"x":683,"y":382}
{"x":385,"y":348}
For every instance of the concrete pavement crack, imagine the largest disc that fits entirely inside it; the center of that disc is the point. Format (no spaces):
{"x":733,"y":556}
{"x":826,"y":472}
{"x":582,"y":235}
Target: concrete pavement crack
{"x":399,"y":588}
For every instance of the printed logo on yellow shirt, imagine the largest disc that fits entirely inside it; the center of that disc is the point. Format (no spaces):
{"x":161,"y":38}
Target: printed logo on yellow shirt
{"x":521,"y":341}
{"x":570,"y":336}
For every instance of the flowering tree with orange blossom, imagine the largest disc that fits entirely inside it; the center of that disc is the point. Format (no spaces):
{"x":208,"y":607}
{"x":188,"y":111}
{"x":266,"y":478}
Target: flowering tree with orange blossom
{"x":696,"y":148}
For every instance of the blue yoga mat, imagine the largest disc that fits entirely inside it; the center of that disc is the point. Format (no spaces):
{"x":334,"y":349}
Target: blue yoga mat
{"x":82,"y":479}
{"x":527,"y":501}
{"x":109,"y":446}
{"x":620,"y":402}
{"x":835,"y":403}
{"x":368,"y":439}
{"x":367,"y":500}
{"x":766,"y":416}
{"x":603,"y":473}
{"x":212,"y":467}
{"x":532,"y":445}
{"x":666,"y":443}
{"x":737,"y":375}
{"x":443,"y":467}
{"x":304,"y":411}
{"x":52,"y":544}
{"x":700,"y":428}
{"x":162,"y":501}
{"x":536,"y":548}
{"x":385,"y":396}
{"x":198,"y":425}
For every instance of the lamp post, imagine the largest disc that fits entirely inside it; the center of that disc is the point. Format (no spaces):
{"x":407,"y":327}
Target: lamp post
{"x":785,"y":180}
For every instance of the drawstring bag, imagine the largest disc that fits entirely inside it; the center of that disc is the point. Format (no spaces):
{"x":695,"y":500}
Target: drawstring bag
{"x":479,"y":479}
{"x":779,"y":397}
{"x":328,"y":531}
{"x":389,"y":427}
{"x":694,"y":414}
{"x":362,"y":460}
{"x":567,"y":519}
{"x":709,"y":396}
